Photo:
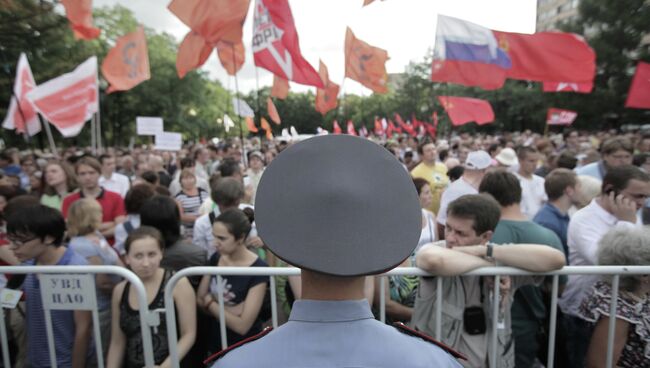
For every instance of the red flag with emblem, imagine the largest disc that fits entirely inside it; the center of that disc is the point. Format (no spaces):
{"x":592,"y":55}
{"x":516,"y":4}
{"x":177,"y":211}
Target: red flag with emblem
{"x":365,"y":64}
{"x":231,"y":55}
{"x":70,"y":100}
{"x":210,"y":21}
{"x":275,"y":43}
{"x":462,"y":110}
{"x":273,"y":112}
{"x":560,"y":117}
{"x":127,"y":63}
{"x":336,"y":129}
{"x":21,"y":115}
{"x":80,"y":15}
{"x":326,"y":99}
{"x":350,"y":129}
{"x":251,"y":125}
{"x":280,"y":88}
{"x":639,"y":95}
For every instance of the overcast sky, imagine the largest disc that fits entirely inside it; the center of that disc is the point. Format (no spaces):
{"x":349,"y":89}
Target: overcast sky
{"x":405,"y":28}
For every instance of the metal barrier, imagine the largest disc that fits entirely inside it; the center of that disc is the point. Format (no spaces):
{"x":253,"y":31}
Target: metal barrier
{"x":616,"y":271}
{"x":81,"y":303}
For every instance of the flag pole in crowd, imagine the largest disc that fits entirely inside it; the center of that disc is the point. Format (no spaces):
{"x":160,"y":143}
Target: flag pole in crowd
{"x":50,"y":138}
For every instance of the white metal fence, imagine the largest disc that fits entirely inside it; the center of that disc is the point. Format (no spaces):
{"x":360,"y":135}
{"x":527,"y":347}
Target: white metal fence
{"x":148,"y":318}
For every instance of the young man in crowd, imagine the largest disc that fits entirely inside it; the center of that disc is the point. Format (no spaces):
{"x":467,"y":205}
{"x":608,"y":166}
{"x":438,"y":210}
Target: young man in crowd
{"x":111,"y":180}
{"x":475,"y":167}
{"x":432,"y":171}
{"x":467,"y":307}
{"x":533,"y":196}
{"x":88,"y":171}
{"x":36,"y":234}
{"x":528,"y":309}
{"x":614,"y":152}
{"x":624,"y":191}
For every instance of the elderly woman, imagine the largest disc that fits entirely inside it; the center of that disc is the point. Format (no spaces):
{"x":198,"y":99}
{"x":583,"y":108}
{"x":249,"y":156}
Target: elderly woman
{"x":632,"y":327}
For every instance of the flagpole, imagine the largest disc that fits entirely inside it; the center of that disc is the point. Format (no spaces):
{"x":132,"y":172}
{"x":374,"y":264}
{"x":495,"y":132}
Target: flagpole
{"x":93,"y":136}
{"x":50,"y":138}
{"x":98,"y":125}
{"x":257,"y":96}
{"x":241,"y":125}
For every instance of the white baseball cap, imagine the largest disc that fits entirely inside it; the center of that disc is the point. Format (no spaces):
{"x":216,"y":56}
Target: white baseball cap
{"x":478,"y":160}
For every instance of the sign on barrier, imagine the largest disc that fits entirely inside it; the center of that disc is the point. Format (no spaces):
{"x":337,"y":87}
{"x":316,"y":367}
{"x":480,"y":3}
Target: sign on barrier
{"x":68,"y":292}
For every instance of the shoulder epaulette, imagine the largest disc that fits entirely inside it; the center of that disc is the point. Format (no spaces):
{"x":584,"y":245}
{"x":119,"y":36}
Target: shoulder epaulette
{"x":232,"y":347}
{"x":409,"y":331}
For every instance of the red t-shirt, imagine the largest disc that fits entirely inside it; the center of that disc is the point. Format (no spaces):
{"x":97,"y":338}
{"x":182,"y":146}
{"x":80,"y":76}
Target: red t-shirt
{"x":111,"y":202}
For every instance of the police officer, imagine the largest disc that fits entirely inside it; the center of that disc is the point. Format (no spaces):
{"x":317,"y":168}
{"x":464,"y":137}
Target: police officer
{"x":338,"y":207}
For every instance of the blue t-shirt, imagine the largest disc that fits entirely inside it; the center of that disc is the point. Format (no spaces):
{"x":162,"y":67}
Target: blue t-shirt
{"x":551,"y":218}
{"x":38,"y":354}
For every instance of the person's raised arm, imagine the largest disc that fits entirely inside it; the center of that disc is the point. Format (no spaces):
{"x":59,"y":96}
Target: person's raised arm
{"x":441,"y":261}
{"x":241,"y":324}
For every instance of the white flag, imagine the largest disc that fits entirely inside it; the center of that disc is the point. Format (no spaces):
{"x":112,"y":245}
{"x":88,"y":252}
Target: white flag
{"x":228,"y":123}
{"x":241,"y":108}
{"x":294,"y":132}
{"x":21,"y":115}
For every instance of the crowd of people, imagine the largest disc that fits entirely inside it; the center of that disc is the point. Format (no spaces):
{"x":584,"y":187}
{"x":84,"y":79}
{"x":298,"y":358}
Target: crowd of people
{"x":515,"y":199}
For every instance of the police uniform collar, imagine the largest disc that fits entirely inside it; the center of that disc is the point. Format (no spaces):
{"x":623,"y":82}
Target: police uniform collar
{"x":101,"y":194}
{"x":330,"y":310}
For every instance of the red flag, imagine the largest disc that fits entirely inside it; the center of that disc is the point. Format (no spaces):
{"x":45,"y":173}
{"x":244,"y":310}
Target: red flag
{"x":548,"y":57}
{"x":567,"y":87}
{"x":336,"y":129}
{"x":210,"y":21}
{"x":267,"y":128}
{"x":231,"y":55}
{"x":280,"y":88}
{"x":639,"y":95}
{"x":379,"y":129}
{"x":127,"y":63}
{"x":80,"y":15}
{"x":70,"y":100}
{"x":431,"y":130}
{"x":351,"y":130}
{"x":462,"y":110}
{"x":21,"y":115}
{"x":390,"y":128}
{"x":273,"y":112}
{"x":275,"y":43}
{"x":326,"y":99}
{"x":394,"y":128}
{"x":251,"y":125}
{"x":434,"y":116}
{"x":406,"y":127}
{"x":560,"y":117}
{"x":365,"y":64}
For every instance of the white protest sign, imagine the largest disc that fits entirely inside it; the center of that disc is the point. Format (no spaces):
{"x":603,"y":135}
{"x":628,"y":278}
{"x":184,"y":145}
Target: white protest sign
{"x":149,"y":125}
{"x":68,"y":292}
{"x":166,"y":141}
{"x":9,"y":298}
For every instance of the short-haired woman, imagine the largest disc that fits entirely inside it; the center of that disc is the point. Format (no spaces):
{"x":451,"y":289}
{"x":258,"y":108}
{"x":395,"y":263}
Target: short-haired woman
{"x":632,"y":327}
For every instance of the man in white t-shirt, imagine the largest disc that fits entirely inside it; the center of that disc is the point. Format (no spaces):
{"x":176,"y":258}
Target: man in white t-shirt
{"x":111,"y":180}
{"x":476,"y":165}
{"x":533,"y":195}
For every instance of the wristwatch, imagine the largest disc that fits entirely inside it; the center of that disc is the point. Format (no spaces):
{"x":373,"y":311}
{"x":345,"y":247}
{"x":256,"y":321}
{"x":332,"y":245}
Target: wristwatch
{"x":489,"y":252}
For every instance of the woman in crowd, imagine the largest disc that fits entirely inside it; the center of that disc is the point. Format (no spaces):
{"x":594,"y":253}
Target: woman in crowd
{"x":84,"y":219}
{"x":190,"y":199}
{"x":242,"y":295}
{"x":428,"y":234}
{"x":632,"y":326}
{"x":59,"y":181}
{"x":144,"y":251}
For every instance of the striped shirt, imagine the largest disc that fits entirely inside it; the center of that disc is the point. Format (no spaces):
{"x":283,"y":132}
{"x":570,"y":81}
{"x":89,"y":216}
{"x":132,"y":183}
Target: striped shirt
{"x":62,"y":321}
{"x":191,"y":204}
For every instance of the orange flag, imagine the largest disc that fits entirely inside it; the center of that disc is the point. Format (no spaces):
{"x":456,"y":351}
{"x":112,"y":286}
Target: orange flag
{"x":267,"y":127}
{"x":231,"y":56}
{"x":127,"y":64}
{"x":280,"y":87}
{"x":211,"y":21}
{"x":80,"y":15}
{"x":251,"y":125}
{"x":273,"y":112}
{"x":326,"y":98}
{"x":365,"y":64}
